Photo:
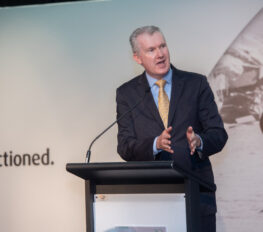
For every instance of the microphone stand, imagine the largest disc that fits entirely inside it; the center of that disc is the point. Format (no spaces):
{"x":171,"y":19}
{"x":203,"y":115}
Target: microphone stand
{"x":118,"y":119}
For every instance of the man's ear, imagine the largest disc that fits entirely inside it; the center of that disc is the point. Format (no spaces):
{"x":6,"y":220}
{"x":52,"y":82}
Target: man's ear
{"x":137,"y":58}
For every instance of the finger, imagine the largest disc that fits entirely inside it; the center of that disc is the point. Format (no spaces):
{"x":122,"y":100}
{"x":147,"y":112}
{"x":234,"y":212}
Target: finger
{"x":193,"y":150}
{"x":166,"y":142}
{"x":190,"y":141}
{"x":192,"y":146}
{"x":166,"y":136}
{"x":169,"y":150}
{"x":189,"y":132}
{"x":163,"y":140}
{"x":193,"y":143}
{"x":166,"y":147}
{"x":167,"y":132}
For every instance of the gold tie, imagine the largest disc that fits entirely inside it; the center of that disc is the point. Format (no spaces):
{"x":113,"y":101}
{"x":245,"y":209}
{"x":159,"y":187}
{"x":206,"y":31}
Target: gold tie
{"x":163,"y":102}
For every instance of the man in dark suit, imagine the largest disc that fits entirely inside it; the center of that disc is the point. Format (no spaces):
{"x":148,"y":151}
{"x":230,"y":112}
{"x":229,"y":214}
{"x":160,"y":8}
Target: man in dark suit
{"x":177,"y":118}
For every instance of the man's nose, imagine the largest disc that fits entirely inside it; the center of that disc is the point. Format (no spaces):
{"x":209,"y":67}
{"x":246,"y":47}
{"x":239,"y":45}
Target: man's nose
{"x":159,"y":52}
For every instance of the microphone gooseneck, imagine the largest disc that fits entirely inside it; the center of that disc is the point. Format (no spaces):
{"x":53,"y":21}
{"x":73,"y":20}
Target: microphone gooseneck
{"x":111,"y":125}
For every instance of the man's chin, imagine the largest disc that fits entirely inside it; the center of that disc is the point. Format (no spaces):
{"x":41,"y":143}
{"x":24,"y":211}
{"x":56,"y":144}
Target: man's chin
{"x":163,"y":72}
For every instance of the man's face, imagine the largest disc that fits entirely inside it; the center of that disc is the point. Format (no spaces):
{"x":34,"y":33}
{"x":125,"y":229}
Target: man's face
{"x":153,"y":54}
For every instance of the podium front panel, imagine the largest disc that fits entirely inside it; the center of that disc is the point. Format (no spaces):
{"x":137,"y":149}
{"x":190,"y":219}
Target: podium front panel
{"x":149,"y":212}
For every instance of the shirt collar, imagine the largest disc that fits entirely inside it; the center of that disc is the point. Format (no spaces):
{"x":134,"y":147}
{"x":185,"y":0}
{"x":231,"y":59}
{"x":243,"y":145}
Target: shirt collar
{"x":167,"y":77}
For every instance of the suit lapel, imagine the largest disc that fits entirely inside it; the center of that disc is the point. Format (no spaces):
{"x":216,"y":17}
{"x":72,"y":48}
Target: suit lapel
{"x":148,"y":100}
{"x":177,"y":89}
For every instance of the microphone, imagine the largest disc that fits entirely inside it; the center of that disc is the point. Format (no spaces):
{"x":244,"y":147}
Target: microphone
{"x":111,"y":125}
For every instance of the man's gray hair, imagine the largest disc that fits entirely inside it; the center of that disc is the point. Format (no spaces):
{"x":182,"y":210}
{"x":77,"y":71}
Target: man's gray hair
{"x":139,"y":31}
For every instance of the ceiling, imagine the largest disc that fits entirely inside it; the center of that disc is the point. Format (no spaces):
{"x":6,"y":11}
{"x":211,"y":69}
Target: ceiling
{"x":10,"y":3}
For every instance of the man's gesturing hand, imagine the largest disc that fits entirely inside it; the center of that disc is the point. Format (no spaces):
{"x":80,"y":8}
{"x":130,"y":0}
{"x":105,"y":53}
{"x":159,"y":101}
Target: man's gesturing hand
{"x":163,"y":141}
{"x":193,"y":139}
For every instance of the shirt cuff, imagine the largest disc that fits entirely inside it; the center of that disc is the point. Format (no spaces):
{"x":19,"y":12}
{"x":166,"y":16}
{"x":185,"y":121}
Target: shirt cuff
{"x":200,"y":148}
{"x":155,"y":150}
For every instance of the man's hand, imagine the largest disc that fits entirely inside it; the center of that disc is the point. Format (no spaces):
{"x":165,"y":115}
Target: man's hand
{"x":163,"y":141}
{"x":193,"y":140}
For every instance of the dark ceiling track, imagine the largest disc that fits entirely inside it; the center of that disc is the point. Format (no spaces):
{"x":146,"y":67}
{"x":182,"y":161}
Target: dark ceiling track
{"x":10,"y":3}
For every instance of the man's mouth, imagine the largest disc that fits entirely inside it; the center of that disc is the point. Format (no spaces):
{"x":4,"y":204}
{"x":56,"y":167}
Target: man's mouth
{"x":161,"y":62}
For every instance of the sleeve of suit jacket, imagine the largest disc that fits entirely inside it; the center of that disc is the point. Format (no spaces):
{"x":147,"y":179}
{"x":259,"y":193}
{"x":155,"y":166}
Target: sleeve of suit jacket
{"x":130,"y":146}
{"x":212,"y":133}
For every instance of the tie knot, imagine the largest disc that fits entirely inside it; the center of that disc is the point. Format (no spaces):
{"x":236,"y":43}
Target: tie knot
{"x":161,"y":83}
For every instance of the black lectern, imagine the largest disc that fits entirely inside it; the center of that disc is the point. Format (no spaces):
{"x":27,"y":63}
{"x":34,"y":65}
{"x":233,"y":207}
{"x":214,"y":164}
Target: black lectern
{"x":142,"y":177}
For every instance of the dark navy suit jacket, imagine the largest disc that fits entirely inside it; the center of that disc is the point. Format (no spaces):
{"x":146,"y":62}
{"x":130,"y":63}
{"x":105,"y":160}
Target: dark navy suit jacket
{"x":191,"y":104}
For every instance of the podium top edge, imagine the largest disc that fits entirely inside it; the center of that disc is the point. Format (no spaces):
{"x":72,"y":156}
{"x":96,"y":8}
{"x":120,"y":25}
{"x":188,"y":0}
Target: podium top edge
{"x":122,"y":165}
{"x":166,"y":168}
